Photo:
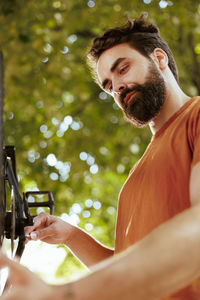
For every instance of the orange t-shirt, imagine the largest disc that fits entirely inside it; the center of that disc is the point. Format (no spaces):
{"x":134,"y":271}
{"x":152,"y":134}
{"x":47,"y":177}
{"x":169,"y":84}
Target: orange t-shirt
{"x":158,"y":186}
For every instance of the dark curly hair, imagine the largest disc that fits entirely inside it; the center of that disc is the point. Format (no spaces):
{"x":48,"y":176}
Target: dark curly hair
{"x":139,"y":34}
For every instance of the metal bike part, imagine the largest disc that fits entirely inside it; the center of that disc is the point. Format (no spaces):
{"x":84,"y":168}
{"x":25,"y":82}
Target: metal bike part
{"x":2,"y":208}
{"x":13,"y":219}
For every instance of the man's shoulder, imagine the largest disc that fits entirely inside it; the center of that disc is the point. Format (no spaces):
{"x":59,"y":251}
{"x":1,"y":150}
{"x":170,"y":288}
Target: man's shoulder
{"x":194,"y":102}
{"x":192,"y":106}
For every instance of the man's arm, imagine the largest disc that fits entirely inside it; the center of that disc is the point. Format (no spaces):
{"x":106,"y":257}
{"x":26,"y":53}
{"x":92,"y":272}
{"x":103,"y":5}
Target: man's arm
{"x":53,"y":230}
{"x":165,"y":261}
{"x":88,"y":250}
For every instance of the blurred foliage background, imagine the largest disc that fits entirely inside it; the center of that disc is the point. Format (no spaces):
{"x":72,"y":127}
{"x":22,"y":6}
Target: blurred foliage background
{"x":70,"y":137}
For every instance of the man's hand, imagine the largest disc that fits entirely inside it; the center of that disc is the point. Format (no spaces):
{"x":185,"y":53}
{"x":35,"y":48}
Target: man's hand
{"x":53,"y":230}
{"x":25,"y":285}
{"x":49,"y":229}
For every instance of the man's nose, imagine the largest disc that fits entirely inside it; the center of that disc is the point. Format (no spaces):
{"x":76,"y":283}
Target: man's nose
{"x":118,"y":88}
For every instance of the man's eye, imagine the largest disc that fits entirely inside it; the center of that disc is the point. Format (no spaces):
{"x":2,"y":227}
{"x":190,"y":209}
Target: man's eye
{"x":122,"y":70}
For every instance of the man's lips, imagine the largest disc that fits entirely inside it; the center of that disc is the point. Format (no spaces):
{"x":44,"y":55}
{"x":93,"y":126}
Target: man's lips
{"x":129,"y":97}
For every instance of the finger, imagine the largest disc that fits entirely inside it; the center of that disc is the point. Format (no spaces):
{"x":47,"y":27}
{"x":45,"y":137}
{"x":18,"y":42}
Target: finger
{"x":28,"y":229}
{"x":39,"y":221}
{"x":44,"y":219}
{"x":38,"y":224}
{"x":41,"y":234}
{"x":28,"y":239}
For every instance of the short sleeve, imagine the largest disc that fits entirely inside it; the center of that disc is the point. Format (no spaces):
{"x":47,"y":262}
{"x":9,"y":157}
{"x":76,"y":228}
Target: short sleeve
{"x":194,"y":136}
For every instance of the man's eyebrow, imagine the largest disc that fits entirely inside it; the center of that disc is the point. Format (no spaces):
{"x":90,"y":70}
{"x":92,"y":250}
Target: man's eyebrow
{"x":113,"y":68}
{"x":116,"y":63}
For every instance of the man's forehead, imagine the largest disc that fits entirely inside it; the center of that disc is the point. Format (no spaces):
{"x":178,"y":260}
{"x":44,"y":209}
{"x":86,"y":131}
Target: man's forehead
{"x":115,"y":52}
{"x":109,"y":57}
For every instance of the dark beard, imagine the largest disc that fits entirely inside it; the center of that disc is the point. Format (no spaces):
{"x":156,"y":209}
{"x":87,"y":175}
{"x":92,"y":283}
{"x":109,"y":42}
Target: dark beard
{"x":148,"y":100}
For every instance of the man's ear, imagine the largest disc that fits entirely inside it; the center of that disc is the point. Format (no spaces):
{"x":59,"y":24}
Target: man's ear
{"x":160,"y":57}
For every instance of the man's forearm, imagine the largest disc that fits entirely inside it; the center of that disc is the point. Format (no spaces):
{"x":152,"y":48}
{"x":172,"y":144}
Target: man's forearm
{"x":53,"y":230}
{"x":88,"y":250}
{"x":165,"y":261}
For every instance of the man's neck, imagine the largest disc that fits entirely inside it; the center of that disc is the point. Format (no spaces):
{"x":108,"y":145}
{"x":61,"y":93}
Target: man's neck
{"x":175,"y":98}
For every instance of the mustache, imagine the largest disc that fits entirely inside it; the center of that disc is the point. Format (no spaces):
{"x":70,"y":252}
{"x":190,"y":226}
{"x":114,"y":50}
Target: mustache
{"x":135,"y":88}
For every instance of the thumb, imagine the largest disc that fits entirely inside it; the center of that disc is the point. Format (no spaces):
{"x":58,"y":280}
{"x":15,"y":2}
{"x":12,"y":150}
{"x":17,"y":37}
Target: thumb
{"x":28,"y":229}
{"x":41,"y":234}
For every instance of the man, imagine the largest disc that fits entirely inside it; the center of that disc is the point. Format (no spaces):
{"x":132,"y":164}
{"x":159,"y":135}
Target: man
{"x":158,"y":224}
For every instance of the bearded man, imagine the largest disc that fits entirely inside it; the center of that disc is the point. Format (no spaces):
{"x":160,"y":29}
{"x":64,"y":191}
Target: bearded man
{"x":157,"y":246}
